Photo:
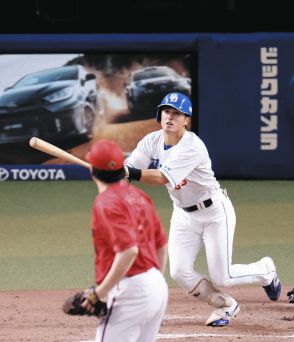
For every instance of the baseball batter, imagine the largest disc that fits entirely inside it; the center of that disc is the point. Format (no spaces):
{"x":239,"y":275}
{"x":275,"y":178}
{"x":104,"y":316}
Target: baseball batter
{"x":202,"y":212}
{"x":130,"y":252}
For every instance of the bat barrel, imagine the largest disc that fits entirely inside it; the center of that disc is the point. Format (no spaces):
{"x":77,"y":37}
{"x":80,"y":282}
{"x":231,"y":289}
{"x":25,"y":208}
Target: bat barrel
{"x":55,"y":151}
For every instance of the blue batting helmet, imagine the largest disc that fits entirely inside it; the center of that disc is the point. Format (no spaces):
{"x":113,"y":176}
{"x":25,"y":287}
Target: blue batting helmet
{"x":178,"y":101}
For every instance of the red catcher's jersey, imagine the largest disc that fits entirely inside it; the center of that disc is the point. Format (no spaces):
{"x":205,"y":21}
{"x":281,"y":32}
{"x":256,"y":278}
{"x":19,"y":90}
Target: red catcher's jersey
{"x":124,"y":216}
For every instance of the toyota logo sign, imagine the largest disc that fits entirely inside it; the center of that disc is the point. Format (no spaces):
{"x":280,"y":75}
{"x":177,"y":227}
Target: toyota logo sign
{"x":4,"y":174}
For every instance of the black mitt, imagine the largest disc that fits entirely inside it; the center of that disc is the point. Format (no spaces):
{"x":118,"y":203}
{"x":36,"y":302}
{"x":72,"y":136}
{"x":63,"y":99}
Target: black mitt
{"x":73,"y":304}
{"x":290,"y":295}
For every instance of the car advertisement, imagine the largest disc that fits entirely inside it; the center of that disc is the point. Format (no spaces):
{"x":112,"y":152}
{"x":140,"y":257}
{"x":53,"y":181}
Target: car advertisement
{"x":71,"y":100}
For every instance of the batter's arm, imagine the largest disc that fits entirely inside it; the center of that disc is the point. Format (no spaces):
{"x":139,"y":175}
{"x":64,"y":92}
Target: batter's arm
{"x":152,"y":176}
{"x":146,"y":176}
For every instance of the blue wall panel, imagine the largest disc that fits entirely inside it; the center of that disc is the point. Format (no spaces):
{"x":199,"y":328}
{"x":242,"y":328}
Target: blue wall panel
{"x":247,"y":138}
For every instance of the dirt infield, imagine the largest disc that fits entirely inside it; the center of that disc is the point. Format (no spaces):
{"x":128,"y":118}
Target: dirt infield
{"x":36,"y":316}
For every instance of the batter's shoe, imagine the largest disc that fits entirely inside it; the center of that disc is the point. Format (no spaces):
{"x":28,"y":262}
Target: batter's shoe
{"x":290,"y":295}
{"x":273,"y":290}
{"x":221,"y":317}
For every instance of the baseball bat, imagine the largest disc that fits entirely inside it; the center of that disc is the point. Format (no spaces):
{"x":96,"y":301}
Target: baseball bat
{"x":55,"y":151}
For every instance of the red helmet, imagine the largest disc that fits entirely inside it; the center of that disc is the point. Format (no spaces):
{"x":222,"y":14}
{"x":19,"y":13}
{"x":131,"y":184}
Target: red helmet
{"x":106,"y":155}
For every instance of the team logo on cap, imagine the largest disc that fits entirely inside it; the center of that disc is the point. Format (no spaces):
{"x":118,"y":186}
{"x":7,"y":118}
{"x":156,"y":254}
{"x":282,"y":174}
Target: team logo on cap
{"x":111,"y":164}
{"x":173,"y":98}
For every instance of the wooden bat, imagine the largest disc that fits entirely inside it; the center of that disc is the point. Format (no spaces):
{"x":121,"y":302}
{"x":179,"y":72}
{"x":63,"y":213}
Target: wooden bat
{"x":55,"y":151}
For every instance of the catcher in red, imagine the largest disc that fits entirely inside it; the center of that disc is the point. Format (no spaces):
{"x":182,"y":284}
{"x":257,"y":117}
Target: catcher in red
{"x":85,"y":303}
{"x":130,"y":247}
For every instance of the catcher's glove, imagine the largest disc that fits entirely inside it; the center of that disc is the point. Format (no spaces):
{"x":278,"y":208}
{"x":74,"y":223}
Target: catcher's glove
{"x":77,"y":305}
{"x":290,"y":295}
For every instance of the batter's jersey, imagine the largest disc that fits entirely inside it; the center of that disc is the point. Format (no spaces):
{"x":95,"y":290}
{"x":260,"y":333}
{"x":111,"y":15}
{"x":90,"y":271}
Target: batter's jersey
{"x":124,"y":216}
{"x":186,"y":165}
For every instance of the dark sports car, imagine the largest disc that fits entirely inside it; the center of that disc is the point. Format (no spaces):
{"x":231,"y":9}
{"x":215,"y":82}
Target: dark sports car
{"x":53,"y":104}
{"x":146,"y":88}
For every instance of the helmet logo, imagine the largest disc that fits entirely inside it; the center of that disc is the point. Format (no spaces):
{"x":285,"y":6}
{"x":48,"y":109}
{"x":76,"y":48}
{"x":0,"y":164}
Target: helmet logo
{"x":173,"y":98}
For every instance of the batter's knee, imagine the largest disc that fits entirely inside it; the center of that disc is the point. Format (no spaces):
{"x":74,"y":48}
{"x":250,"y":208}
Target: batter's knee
{"x":178,"y":275}
{"x":220,"y":281}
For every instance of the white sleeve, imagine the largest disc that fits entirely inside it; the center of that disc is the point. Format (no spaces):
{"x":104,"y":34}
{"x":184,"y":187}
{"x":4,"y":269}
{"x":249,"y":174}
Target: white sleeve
{"x":180,"y":164}
{"x":139,"y":157}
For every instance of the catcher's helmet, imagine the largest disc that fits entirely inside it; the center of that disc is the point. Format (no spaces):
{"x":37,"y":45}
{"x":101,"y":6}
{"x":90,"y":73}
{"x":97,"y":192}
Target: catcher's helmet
{"x":178,"y":101}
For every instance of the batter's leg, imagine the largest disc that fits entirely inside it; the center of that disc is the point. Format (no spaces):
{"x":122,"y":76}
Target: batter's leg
{"x":183,"y":247}
{"x":218,"y":239}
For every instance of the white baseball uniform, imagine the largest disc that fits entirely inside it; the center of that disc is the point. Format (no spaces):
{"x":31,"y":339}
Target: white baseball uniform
{"x":137,"y":307}
{"x":187,"y":166}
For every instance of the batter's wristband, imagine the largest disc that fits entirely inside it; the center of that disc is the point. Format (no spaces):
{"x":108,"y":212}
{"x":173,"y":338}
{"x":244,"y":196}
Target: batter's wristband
{"x":134,"y":174}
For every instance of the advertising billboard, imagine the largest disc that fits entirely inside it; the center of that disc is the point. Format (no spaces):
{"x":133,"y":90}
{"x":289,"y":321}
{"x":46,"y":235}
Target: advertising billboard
{"x":72,"y":99}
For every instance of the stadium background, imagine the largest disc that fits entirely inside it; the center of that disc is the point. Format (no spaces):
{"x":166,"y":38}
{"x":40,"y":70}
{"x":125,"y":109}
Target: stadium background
{"x":45,"y":243}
